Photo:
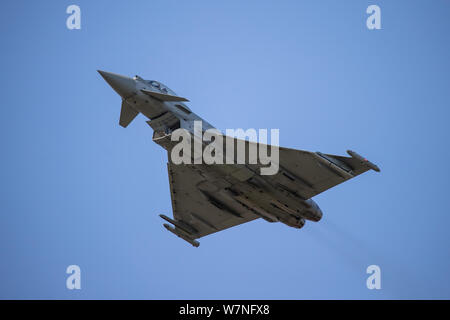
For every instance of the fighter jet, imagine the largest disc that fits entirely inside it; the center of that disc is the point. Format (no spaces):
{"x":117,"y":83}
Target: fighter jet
{"x":207,"y":198}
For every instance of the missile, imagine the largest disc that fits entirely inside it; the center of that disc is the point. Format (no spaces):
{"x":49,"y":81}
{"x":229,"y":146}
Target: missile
{"x":181,"y":235}
{"x":363,"y":160}
{"x":180,"y":224}
{"x":334,"y":167}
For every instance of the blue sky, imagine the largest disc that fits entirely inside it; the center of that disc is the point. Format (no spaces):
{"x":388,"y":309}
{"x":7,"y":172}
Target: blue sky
{"x":76,"y":188}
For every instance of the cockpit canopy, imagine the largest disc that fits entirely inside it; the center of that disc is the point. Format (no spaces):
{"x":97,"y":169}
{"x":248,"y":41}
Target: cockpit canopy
{"x":157,"y":85}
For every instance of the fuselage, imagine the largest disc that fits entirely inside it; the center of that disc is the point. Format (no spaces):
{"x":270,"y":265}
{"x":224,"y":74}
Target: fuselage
{"x":255,"y":193}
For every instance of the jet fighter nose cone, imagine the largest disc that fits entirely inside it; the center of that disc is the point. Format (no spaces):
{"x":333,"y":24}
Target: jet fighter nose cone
{"x":123,"y":85}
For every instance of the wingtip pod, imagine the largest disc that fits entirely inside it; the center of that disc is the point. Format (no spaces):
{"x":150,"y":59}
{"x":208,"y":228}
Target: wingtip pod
{"x":182,"y":230}
{"x":363,"y":160}
{"x":181,"y":235}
